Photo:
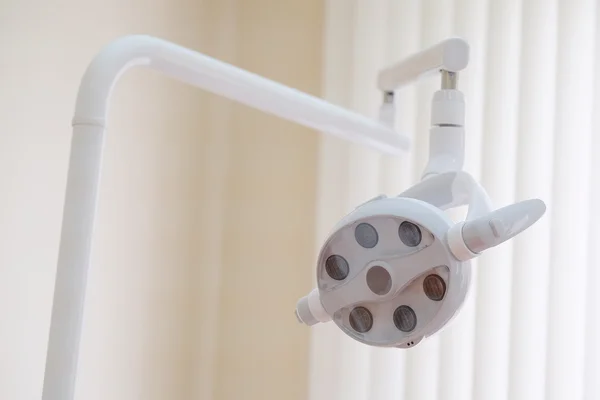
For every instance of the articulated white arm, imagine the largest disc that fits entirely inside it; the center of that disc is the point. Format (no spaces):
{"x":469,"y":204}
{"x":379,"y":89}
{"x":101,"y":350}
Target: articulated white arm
{"x":86,"y":156}
{"x":446,"y":139}
{"x":228,"y":81}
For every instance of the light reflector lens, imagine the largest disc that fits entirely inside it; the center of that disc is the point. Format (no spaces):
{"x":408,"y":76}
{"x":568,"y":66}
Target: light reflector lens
{"x":366,"y":235}
{"x":361,"y":319}
{"x":434,"y":287}
{"x":410,"y":234}
{"x":337,"y":267}
{"x":405,"y":318}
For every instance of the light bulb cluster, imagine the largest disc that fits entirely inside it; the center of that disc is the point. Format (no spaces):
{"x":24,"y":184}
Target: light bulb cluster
{"x":384,"y":276}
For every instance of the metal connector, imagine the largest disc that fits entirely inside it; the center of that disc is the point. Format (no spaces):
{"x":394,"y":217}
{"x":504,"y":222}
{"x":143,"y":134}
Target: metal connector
{"x":449,"y":79}
{"x":388,"y":97}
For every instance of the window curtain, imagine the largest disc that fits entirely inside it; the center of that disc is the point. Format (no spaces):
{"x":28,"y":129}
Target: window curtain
{"x":529,"y":329}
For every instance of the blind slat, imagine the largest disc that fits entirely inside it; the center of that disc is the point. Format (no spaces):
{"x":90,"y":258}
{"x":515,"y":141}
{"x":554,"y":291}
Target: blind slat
{"x":570,"y":200}
{"x":534,"y":179}
{"x":498,"y":177}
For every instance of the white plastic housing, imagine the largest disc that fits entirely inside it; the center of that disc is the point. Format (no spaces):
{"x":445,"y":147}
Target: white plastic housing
{"x":375,"y":271}
{"x":446,"y":150}
{"x":457,"y":244}
{"x":447,"y":133}
{"x":448,"y":108}
{"x":310,"y":311}
{"x":407,"y":267}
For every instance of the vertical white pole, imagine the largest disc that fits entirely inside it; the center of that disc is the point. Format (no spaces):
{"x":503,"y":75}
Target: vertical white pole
{"x":73,"y":262}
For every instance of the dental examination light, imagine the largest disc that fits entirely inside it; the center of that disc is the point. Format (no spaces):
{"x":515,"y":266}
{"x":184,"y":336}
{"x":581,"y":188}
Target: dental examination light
{"x":394,"y":271}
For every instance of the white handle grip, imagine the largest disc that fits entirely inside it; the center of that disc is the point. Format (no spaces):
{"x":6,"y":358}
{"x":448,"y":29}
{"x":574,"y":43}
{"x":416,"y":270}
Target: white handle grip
{"x":502,"y":224}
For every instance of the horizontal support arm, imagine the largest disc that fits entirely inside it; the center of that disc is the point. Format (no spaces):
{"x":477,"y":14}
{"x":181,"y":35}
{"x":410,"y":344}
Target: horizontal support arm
{"x":228,"y":81}
{"x":450,"y":55}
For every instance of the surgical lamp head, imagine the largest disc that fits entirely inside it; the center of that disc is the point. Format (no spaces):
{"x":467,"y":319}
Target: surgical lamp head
{"x":396,"y":270}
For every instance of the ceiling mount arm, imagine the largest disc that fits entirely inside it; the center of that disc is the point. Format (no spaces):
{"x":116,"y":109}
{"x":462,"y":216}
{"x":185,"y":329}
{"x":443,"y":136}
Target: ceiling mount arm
{"x":228,"y":81}
{"x":448,"y":57}
{"x":446,"y":144}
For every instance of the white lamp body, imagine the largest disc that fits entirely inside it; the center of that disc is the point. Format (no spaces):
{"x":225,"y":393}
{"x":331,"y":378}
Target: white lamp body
{"x":396,"y":270}
{"x":405,"y":264}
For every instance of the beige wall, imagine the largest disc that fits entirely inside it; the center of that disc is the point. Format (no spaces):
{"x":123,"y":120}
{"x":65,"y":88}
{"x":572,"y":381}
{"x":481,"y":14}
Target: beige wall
{"x":205,"y":227}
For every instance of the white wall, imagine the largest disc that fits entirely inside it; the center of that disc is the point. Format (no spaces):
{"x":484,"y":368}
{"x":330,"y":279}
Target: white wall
{"x":206,"y":209}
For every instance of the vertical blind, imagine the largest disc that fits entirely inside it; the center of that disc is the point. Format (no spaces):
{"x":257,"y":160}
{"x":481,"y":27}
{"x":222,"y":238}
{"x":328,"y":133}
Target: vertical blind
{"x":530,"y":327}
